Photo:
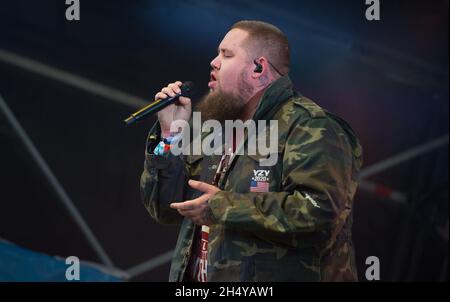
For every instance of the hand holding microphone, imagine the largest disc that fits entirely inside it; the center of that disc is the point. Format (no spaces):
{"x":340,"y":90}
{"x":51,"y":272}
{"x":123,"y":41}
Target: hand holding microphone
{"x":180,"y":110}
{"x":172,"y":103}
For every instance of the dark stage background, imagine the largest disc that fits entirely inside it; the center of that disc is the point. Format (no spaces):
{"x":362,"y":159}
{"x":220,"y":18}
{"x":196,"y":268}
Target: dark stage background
{"x":387,"y":78}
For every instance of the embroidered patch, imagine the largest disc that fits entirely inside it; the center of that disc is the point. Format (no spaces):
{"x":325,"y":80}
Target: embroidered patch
{"x":260,"y":181}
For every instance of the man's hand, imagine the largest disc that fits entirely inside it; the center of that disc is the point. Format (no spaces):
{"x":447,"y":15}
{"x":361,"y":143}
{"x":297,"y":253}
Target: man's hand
{"x":198,"y":209}
{"x":180,"y":110}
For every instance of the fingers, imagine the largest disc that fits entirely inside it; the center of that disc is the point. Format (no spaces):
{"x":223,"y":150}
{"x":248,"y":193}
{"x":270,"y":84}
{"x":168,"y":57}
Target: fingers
{"x":194,"y":215}
{"x":175,"y":87}
{"x":160,"y":95}
{"x":184,"y":100}
{"x":190,"y":204}
{"x":202,"y":186}
{"x":184,"y":206}
{"x":188,"y":213}
{"x":171,"y":90}
{"x":168,"y":91}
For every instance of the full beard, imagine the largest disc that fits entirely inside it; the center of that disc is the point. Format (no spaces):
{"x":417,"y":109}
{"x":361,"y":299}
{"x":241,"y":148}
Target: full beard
{"x":222,"y":106}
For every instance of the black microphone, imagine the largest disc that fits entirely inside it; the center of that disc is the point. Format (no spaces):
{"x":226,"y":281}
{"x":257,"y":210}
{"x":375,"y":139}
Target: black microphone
{"x":186,"y":90}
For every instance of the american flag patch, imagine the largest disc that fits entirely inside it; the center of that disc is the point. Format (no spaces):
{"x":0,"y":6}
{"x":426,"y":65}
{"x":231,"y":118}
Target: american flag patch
{"x":259,"y":186}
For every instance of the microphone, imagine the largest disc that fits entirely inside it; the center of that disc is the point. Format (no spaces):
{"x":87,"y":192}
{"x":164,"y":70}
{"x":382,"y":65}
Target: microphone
{"x":186,"y":90}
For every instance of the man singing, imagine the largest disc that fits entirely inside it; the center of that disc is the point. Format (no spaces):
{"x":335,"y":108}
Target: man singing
{"x":241,"y":220}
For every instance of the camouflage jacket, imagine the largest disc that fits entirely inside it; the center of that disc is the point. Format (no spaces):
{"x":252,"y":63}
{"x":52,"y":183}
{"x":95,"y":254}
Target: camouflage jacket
{"x":298,"y":231}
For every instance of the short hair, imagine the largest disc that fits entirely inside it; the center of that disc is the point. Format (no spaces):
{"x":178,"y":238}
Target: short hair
{"x":267,"y":40}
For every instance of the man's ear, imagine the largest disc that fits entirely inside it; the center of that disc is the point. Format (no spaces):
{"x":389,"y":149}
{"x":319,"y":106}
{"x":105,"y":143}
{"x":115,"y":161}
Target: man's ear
{"x":260,"y":67}
{"x":261,"y":71}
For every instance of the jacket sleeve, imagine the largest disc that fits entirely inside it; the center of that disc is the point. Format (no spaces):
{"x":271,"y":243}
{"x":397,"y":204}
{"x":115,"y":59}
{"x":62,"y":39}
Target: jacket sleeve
{"x":163,"y":181}
{"x":318,"y":185}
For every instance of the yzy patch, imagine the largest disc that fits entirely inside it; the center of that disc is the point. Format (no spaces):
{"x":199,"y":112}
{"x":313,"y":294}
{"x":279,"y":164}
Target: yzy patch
{"x":260,"y":181}
{"x":261,"y":175}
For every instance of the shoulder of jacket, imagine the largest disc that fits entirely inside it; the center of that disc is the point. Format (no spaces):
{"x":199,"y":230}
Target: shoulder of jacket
{"x":309,"y":107}
{"x":299,"y":108}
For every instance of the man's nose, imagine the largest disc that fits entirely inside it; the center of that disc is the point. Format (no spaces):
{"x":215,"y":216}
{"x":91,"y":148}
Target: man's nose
{"x":215,"y":63}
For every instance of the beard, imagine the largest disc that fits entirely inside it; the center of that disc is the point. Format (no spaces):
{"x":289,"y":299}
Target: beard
{"x":222,"y":106}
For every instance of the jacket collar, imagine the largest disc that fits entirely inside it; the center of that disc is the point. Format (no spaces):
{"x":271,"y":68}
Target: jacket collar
{"x":274,"y":96}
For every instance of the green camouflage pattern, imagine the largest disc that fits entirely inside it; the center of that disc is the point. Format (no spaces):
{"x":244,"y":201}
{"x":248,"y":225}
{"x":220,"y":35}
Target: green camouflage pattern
{"x":298,"y":231}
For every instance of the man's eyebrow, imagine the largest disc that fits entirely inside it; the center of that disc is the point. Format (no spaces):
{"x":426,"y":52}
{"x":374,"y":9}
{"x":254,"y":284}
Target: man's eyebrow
{"x":223,"y":49}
